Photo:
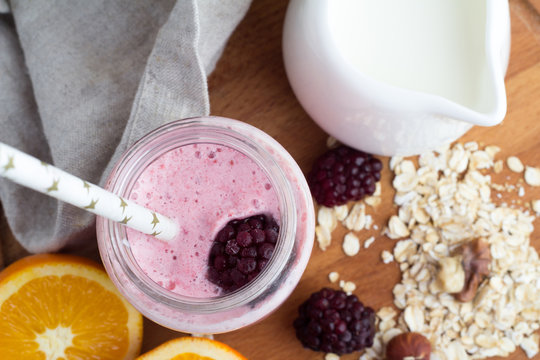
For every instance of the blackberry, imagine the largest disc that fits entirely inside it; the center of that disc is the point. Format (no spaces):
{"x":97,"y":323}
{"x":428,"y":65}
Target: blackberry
{"x":343,"y":174}
{"x":334,"y":322}
{"x":241,"y":250}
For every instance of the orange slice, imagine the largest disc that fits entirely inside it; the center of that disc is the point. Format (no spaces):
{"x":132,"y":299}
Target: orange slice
{"x":192,"y":348}
{"x":61,"y":307}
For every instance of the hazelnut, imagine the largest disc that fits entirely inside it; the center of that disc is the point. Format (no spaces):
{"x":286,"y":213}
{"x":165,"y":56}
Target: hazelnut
{"x":475,"y":258}
{"x":408,"y":345}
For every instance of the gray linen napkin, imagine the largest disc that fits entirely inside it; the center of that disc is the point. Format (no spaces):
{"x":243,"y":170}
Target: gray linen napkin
{"x":81,"y":80}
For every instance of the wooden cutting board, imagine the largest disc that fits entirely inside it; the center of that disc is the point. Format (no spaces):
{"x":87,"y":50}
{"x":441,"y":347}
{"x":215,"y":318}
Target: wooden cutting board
{"x":250,"y":84}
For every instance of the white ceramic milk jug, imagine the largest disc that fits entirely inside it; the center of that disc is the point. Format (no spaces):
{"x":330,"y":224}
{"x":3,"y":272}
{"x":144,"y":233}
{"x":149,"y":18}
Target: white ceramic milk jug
{"x":398,"y":77}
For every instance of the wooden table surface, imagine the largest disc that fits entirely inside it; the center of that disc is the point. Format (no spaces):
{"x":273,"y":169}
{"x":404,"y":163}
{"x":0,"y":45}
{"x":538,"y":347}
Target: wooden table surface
{"x":250,"y":84}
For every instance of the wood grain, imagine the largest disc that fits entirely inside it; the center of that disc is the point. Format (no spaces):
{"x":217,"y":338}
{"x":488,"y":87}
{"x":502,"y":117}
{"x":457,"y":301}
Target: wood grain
{"x":250,"y":84}
{"x":528,"y":12}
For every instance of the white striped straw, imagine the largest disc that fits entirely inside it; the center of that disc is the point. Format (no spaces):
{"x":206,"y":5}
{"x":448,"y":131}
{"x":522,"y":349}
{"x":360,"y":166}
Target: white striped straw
{"x":28,"y":171}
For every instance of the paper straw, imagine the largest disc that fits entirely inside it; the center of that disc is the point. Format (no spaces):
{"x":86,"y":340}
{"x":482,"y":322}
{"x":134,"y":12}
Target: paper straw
{"x":28,"y":171}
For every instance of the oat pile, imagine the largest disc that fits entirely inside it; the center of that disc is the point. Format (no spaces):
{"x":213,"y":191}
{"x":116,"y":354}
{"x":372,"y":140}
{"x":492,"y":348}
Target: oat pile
{"x":444,"y":202}
{"x":356,"y":219}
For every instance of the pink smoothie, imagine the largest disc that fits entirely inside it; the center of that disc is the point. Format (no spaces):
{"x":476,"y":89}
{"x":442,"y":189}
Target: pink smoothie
{"x":201,"y":187}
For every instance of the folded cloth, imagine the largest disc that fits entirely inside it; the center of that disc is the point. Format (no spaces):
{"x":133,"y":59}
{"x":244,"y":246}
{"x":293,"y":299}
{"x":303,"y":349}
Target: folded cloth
{"x":81,"y":80}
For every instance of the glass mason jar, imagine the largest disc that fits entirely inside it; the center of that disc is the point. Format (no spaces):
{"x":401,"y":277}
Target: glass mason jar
{"x":262,"y":295}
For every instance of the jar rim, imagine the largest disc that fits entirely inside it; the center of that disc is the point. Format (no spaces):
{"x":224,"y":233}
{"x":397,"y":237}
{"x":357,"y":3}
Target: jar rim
{"x":217,"y":130}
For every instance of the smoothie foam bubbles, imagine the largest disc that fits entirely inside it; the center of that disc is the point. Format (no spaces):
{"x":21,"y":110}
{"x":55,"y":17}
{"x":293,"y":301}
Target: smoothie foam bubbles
{"x":201,"y":187}
{"x":203,"y":173}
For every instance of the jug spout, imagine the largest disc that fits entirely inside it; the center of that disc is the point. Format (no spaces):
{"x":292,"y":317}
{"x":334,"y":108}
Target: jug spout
{"x":488,"y":105}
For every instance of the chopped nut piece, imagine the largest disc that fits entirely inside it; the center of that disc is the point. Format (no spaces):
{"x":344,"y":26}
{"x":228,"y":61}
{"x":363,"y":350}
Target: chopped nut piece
{"x":532,"y":176}
{"x":369,"y":241}
{"x":387,"y":257}
{"x":515,"y":164}
{"x":476,"y":258}
{"x":333,"y":276}
{"x":451,"y":275}
{"x":351,"y":244}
